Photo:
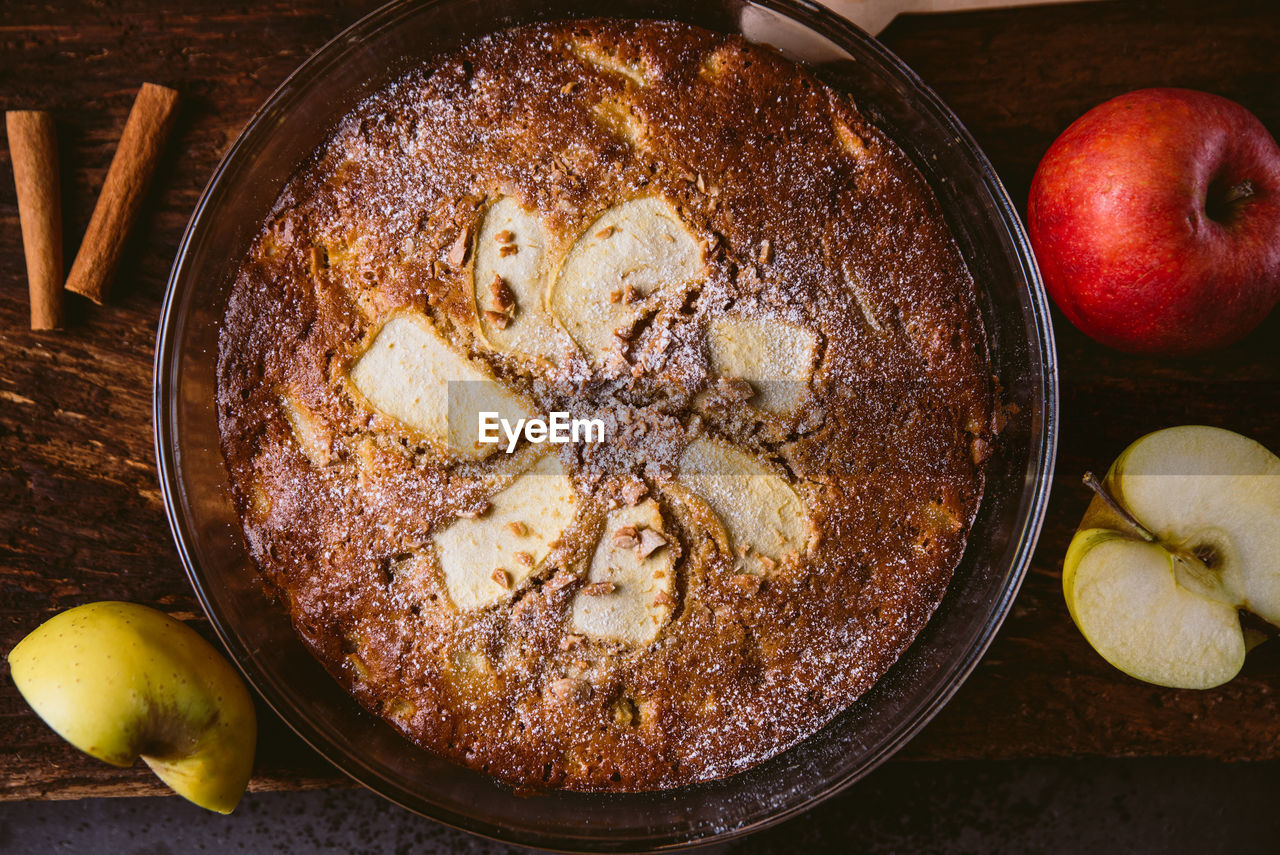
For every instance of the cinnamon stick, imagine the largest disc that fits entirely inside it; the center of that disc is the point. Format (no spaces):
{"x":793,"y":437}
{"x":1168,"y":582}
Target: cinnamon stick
{"x":33,"y":148}
{"x":134,"y":163}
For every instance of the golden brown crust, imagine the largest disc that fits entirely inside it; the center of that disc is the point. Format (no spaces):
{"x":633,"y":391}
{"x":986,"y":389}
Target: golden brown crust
{"x":806,"y":215}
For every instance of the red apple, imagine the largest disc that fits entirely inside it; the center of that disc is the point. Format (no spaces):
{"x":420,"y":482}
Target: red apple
{"x":1156,"y":221}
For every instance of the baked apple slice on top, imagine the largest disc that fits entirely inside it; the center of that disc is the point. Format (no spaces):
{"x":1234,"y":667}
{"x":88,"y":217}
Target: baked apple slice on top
{"x":765,"y":521}
{"x":618,"y":268}
{"x":510,"y":276}
{"x":488,"y":558}
{"x":412,"y":375}
{"x":630,"y":590}
{"x":776,"y":357}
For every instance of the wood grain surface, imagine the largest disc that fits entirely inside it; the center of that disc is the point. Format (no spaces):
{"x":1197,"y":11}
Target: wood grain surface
{"x":80,"y":510}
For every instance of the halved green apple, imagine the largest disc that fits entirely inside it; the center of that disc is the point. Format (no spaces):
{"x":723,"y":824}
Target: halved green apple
{"x":1183,"y":535}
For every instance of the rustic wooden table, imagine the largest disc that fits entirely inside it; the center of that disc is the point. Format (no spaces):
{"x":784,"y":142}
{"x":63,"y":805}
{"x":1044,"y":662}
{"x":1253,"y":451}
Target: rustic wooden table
{"x":80,"y":510}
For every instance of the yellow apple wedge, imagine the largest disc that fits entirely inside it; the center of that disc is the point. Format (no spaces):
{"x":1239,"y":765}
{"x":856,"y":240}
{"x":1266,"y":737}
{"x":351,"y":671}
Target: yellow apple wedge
{"x":1183,"y":535}
{"x":121,"y":681}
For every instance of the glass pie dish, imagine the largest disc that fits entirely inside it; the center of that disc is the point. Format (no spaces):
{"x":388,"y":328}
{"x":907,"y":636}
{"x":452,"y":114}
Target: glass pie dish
{"x":281,"y":137}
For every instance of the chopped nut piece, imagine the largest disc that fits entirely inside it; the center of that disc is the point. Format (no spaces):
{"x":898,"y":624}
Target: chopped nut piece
{"x":663,"y":599}
{"x":626,"y":537}
{"x":518,"y":528}
{"x":507,"y":249}
{"x":476,"y":511}
{"x":569,"y":642}
{"x":523,"y":609}
{"x":503,"y":299}
{"x":702,"y":183}
{"x":769,"y":563}
{"x":747,"y":583}
{"x":606,"y":232}
{"x":747,"y":276}
{"x":560,"y":580}
{"x":501,"y":320}
{"x":524,"y":558}
{"x":598,"y":589}
{"x":766,"y":251}
{"x":501,"y":577}
{"x":737,"y":389}
{"x":615,"y":296}
{"x":459,"y":250}
{"x":505,"y":236}
{"x":634,"y":491}
{"x":630,"y":295}
{"x":625,"y":712}
{"x":569,"y":689}
{"x":568,"y":87}
{"x":650,"y":542}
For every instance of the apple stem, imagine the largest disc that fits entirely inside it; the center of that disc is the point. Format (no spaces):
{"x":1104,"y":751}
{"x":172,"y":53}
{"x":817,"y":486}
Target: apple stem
{"x":1243,"y":190}
{"x":1091,"y":481}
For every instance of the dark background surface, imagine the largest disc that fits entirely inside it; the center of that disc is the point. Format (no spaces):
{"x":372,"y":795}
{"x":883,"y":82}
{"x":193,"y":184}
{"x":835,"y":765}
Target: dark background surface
{"x":947,"y":808}
{"x":1017,"y":762}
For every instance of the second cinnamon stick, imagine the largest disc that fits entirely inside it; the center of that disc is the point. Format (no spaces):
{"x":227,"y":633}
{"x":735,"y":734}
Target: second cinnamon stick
{"x":134,"y":163}
{"x":33,"y":148}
